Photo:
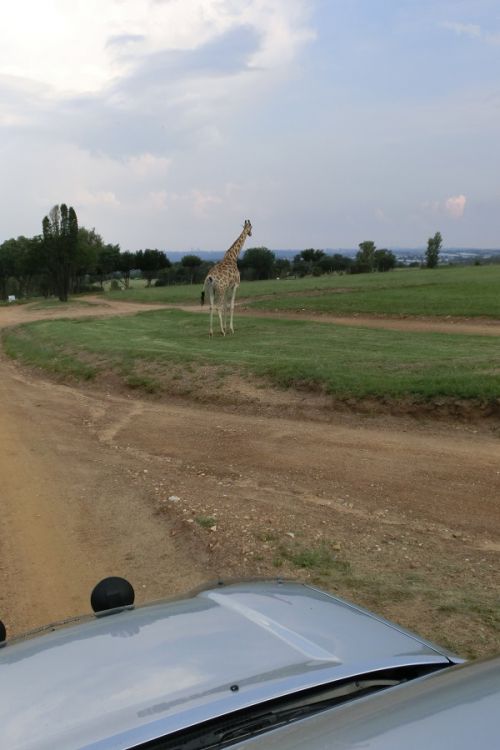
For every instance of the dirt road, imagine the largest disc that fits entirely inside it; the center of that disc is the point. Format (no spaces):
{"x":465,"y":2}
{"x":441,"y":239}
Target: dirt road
{"x":170,"y":494}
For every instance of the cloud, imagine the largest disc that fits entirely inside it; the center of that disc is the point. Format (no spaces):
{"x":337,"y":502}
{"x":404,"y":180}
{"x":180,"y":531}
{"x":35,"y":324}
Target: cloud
{"x":463,"y":29}
{"x":455,"y":206}
{"x":147,"y":166}
{"x":473,"y":31}
{"x":452,"y":207}
{"x":143,"y":76}
{"x":158,"y":199}
{"x":493,"y":38}
{"x":431,"y":207}
{"x":203,"y":201}
{"x":103,"y":42}
{"x":86,"y":198}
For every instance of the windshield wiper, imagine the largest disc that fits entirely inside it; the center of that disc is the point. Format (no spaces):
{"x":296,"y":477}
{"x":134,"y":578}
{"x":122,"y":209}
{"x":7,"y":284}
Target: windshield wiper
{"x":223,"y":731}
{"x":297,"y":708}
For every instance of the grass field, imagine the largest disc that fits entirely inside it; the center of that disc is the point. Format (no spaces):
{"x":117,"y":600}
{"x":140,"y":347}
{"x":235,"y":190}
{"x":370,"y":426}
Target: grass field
{"x":469,"y":291}
{"x":341,"y":361}
{"x":55,"y":304}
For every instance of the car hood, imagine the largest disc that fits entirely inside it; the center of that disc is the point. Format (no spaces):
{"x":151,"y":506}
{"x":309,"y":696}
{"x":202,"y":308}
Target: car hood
{"x":456,"y":708}
{"x":122,"y":679}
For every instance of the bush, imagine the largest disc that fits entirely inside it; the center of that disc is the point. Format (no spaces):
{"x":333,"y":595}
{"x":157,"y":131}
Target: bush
{"x":90,"y":288}
{"x":360,"y":266}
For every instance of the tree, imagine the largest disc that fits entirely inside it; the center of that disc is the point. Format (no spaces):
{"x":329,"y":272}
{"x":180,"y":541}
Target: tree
{"x":335,"y":262}
{"x":433,"y":249}
{"x":365,"y":257}
{"x":384,"y":260}
{"x":341,"y":262}
{"x":60,"y":243}
{"x":21,"y":267}
{"x":307,"y":260}
{"x":150,"y":262}
{"x":260,"y":260}
{"x":127,"y":261}
{"x":7,"y":264}
{"x":312,"y":256}
{"x":192,"y":262}
{"x":282,"y":267}
{"x":89,"y":246}
{"x":27,"y":264}
{"x":108,"y":260}
{"x":299,"y":266}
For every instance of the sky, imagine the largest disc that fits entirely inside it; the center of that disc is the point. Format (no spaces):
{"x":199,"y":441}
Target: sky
{"x":167,"y":123}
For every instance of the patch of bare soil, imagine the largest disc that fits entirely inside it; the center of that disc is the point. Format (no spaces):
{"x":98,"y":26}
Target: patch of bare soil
{"x":232,"y":390}
{"x":397,"y":514}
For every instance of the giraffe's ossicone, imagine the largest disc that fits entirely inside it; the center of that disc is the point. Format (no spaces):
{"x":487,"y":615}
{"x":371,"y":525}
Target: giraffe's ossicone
{"x":223,"y":280}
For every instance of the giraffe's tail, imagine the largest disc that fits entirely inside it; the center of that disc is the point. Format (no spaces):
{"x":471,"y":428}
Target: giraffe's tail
{"x":207,"y":285}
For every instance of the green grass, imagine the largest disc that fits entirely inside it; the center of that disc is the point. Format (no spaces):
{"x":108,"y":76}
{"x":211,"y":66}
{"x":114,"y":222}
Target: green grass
{"x":320,"y":559}
{"x":51,"y":303}
{"x":142,"y":382}
{"x":465,"y":619}
{"x":458,"y":292}
{"x":342,"y":361}
{"x":138,"y":292}
{"x":206,"y":522}
{"x":468,"y":291}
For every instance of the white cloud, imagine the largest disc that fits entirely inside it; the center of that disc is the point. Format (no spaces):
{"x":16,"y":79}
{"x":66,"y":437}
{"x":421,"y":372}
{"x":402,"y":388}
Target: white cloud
{"x":473,"y":31}
{"x":283,"y":29}
{"x":455,"y":206}
{"x":147,"y":166}
{"x":463,"y":29}
{"x":102,"y":42}
{"x":203,"y":201}
{"x":105,"y":192}
{"x":158,"y":199}
{"x":84,"y":198}
{"x":431,"y":207}
{"x":493,"y":38}
{"x":110,"y":106}
{"x":165,"y":76}
{"x":197,"y":203}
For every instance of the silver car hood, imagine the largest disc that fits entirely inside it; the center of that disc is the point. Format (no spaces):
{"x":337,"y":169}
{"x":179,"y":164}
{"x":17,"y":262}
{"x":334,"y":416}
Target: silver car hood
{"x":125,"y":678}
{"x":456,"y":708}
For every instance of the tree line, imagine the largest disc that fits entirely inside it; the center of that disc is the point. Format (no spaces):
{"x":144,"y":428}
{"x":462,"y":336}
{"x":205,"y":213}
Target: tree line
{"x":67,"y":258}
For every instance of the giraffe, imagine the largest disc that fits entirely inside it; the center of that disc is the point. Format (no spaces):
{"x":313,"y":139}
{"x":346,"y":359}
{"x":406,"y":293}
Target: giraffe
{"x":222,"y":278}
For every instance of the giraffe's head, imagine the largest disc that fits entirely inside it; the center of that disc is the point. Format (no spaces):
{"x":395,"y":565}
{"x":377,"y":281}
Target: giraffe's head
{"x":248,"y":227}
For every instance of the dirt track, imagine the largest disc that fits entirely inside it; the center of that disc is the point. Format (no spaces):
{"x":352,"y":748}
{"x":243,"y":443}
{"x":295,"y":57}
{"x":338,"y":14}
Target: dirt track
{"x":86,"y":478}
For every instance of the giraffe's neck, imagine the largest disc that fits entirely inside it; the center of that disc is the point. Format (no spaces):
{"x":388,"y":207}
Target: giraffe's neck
{"x":231,"y":255}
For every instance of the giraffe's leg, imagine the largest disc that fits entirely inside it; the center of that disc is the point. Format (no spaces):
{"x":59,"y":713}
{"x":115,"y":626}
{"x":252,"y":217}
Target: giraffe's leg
{"x":222,"y":329}
{"x":233,"y":296}
{"x":226,"y":305}
{"x":211,"y":292}
{"x":220,"y":306}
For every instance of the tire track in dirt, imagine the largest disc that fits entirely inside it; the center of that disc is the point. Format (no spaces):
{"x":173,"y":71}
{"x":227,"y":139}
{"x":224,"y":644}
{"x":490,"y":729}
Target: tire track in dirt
{"x":72,"y":510}
{"x":86,"y":477}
